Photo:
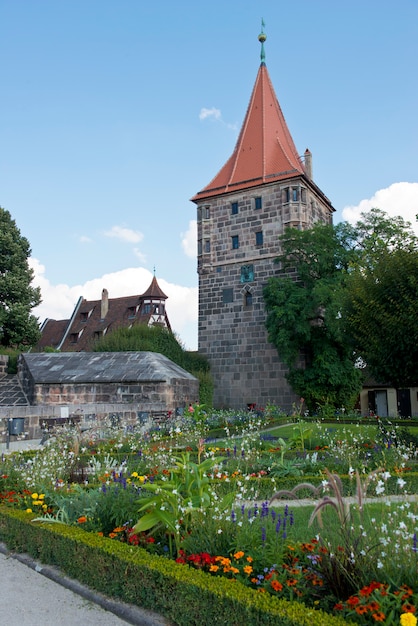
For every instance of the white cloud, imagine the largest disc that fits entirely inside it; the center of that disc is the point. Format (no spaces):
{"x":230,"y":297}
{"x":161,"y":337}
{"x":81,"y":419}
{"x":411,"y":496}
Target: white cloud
{"x":399,"y":199}
{"x":189,"y":240}
{"x":139,"y":255}
{"x":214,"y":113}
{"x":125,"y":234}
{"x":58,"y":301}
{"x":85,"y":239}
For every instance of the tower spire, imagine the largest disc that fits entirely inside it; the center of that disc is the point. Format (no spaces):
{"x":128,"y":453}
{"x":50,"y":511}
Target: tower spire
{"x":261,"y":38}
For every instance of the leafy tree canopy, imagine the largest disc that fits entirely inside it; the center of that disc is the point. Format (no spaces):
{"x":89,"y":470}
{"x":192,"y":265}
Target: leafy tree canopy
{"x":381,"y":315}
{"x":316,"y":304}
{"x":304,"y":317}
{"x":18,"y":327}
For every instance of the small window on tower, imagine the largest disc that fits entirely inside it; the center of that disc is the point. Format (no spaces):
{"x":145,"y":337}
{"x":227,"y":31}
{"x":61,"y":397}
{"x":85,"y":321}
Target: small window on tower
{"x":234,"y":208}
{"x":258,"y":202}
{"x":259,"y":238}
{"x":227,"y":296}
{"x":199,"y":246}
{"x":207,"y":212}
{"x":235,"y":242}
{"x":295,"y":194}
{"x":287,"y":195}
{"x":248,"y":298}
{"x":207,"y":245}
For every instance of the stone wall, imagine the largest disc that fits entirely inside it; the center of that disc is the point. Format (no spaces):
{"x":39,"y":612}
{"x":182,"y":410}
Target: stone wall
{"x":38,"y":419}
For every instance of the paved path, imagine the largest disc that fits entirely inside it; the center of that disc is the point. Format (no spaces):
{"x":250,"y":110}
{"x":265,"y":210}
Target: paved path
{"x":35,"y":595}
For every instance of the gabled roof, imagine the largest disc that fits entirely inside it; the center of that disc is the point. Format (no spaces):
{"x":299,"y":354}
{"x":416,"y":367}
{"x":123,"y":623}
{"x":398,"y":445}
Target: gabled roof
{"x":102,"y":367}
{"x":265,"y":151}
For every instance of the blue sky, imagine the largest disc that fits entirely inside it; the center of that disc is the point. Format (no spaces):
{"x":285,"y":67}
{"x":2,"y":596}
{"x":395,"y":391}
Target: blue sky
{"x":113,"y":114}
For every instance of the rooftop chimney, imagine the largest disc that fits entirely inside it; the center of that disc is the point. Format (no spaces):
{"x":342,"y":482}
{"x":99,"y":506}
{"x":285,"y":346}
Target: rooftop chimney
{"x":105,"y":304}
{"x":308,"y":163}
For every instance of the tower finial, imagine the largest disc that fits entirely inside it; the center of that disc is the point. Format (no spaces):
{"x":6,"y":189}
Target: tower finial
{"x":261,"y":38}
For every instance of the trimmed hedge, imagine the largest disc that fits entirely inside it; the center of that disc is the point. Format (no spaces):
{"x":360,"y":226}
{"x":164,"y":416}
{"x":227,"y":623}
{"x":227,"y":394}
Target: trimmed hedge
{"x":182,"y":594}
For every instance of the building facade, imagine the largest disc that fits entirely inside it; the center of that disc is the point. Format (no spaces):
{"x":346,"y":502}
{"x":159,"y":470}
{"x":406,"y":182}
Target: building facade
{"x":264,"y":187}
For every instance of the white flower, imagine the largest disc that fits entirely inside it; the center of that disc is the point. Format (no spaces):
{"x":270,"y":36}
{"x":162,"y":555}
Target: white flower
{"x":380,"y":488}
{"x":401,"y":482}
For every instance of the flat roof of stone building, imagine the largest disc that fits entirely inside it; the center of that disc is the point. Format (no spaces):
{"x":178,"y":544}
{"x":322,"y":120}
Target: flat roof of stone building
{"x":102,"y":367}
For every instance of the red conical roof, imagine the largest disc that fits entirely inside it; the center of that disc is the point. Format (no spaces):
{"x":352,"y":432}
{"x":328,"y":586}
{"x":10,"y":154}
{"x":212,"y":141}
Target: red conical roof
{"x":154,"y":291}
{"x":264,"y":152}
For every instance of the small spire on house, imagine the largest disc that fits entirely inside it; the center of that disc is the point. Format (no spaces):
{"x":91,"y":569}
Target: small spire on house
{"x":261,"y":38}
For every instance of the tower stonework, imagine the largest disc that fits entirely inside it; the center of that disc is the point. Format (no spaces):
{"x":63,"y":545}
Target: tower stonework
{"x":263,"y":188}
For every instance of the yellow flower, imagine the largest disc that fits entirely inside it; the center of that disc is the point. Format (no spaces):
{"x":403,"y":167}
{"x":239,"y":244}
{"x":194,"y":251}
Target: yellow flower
{"x":41,"y":496}
{"x":141,"y":479}
{"x":29,"y":511}
{"x":248,"y":569}
{"x":34,"y":496}
{"x":134,"y":474}
{"x":408,"y":619}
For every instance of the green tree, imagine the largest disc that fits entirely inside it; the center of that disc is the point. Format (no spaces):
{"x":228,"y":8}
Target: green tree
{"x":18,"y":327}
{"x":304,"y":319}
{"x":336,"y":302}
{"x":381,"y":316}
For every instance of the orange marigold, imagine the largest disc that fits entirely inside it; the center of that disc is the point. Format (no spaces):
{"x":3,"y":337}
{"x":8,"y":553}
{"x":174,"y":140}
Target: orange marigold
{"x":276,"y":585}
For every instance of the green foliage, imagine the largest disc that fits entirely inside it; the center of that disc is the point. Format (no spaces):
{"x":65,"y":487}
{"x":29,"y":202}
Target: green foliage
{"x":18,"y":327}
{"x":174,"y":502}
{"x":344,"y":293}
{"x":381,"y":312}
{"x":304,"y":321}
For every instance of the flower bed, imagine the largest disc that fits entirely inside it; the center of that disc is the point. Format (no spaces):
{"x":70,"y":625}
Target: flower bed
{"x":206,"y":504}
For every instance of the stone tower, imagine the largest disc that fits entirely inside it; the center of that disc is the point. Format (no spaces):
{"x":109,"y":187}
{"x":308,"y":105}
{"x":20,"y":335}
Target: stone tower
{"x":264,"y":187}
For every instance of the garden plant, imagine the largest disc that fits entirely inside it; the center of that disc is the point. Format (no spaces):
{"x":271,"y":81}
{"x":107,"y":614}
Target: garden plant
{"x":319,"y":512}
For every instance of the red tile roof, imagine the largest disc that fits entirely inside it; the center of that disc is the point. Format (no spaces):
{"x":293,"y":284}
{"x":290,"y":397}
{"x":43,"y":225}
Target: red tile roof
{"x":264,"y":152}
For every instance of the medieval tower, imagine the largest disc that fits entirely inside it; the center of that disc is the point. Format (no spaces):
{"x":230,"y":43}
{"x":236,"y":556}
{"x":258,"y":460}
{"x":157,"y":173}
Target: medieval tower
{"x":264,"y":187}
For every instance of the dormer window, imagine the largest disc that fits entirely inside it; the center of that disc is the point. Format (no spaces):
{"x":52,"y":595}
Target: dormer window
{"x":132,"y":311}
{"x":84,"y":316}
